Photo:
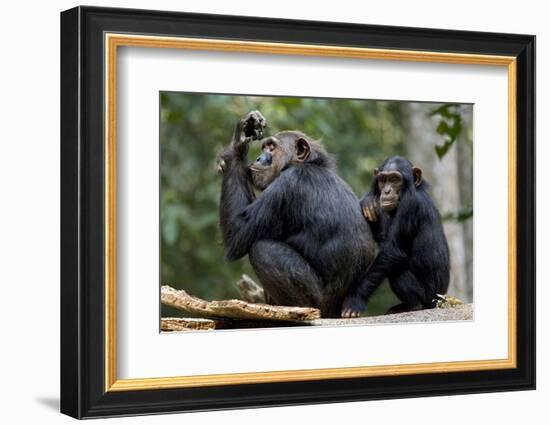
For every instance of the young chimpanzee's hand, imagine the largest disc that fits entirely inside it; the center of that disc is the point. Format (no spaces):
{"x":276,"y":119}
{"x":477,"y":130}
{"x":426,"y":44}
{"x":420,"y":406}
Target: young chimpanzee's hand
{"x":370,"y":207}
{"x":353,"y":307}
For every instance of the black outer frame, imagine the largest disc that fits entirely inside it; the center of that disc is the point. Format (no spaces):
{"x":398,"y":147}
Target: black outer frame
{"x":82,"y":217}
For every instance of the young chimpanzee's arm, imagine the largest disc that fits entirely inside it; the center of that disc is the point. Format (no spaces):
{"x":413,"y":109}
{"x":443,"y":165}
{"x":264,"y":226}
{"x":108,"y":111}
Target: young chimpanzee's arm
{"x":391,"y":260}
{"x":243,"y":218}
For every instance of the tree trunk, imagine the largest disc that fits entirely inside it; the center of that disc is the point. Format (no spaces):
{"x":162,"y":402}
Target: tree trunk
{"x":448,"y":187}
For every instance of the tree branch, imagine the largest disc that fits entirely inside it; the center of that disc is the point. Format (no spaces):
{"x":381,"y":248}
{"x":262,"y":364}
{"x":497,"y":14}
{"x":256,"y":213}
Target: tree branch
{"x":235,"y":309}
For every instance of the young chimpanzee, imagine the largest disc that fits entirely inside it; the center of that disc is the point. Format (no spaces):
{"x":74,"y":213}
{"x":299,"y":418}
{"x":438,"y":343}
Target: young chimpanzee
{"x":413,"y":251}
{"x":305,"y":235}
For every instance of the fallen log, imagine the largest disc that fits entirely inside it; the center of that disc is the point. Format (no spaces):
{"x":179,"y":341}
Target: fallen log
{"x":183,"y":324}
{"x":186,"y":324}
{"x":235,"y":309}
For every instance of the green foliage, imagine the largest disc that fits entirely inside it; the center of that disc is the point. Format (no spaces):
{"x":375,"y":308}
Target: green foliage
{"x":450,"y":126}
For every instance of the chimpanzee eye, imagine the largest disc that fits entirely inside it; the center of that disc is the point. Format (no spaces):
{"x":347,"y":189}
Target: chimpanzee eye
{"x":394,"y":179}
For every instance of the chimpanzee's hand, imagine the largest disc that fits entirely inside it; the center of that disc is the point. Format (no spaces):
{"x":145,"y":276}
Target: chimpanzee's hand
{"x":253,"y":125}
{"x":250,"y":127}
{"x":369,"y":205}
{"x":220,"y":164}
{"x":353,"y":307}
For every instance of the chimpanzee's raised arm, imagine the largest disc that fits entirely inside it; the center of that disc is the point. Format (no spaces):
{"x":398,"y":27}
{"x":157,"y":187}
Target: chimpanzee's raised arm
{"x":242,"y":216}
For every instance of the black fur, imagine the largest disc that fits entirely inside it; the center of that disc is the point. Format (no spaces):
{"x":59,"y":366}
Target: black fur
{"x":413,"y":250}
{"x":305,"y":234}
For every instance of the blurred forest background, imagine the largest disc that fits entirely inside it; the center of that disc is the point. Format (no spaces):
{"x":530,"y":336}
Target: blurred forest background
{"x":359,"y":133}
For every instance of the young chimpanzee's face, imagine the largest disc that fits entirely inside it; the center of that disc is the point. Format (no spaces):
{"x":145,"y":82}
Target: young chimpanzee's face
{"x":390,"y":184}
{"x":278,"y":152}
{"x":396,"y":175}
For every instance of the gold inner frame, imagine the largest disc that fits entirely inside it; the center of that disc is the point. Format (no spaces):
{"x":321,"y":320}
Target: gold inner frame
{"x":113,"y":41}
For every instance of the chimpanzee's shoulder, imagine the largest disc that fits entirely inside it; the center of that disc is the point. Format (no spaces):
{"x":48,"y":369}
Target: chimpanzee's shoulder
{"x":311,"y":177}
{"x":424,"y":207}
{"x":299,"y":173}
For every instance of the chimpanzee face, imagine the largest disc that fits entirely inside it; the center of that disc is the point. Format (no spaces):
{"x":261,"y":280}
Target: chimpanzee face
{"x":391,"y":179}
{"x":390,"y":184}
{"x":278,"y":152}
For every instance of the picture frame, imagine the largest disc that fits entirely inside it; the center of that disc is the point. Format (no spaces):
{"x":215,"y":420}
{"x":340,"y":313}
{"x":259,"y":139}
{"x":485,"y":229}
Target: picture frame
{"x":90,"y":40}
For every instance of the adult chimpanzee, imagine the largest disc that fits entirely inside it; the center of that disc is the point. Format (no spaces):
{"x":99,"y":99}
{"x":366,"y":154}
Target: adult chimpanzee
{"x":305,"y":235}
{"x":413,"y":253}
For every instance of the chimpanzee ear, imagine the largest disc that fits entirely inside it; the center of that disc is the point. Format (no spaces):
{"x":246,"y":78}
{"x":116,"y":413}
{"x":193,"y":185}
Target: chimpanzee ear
{"x":376,"y":171}
{"x":303,"y":149}
{"x":417,"y":173}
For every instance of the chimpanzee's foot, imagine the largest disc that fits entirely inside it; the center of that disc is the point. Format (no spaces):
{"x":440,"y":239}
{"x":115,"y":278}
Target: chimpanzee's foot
{"x":352,"y":307}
